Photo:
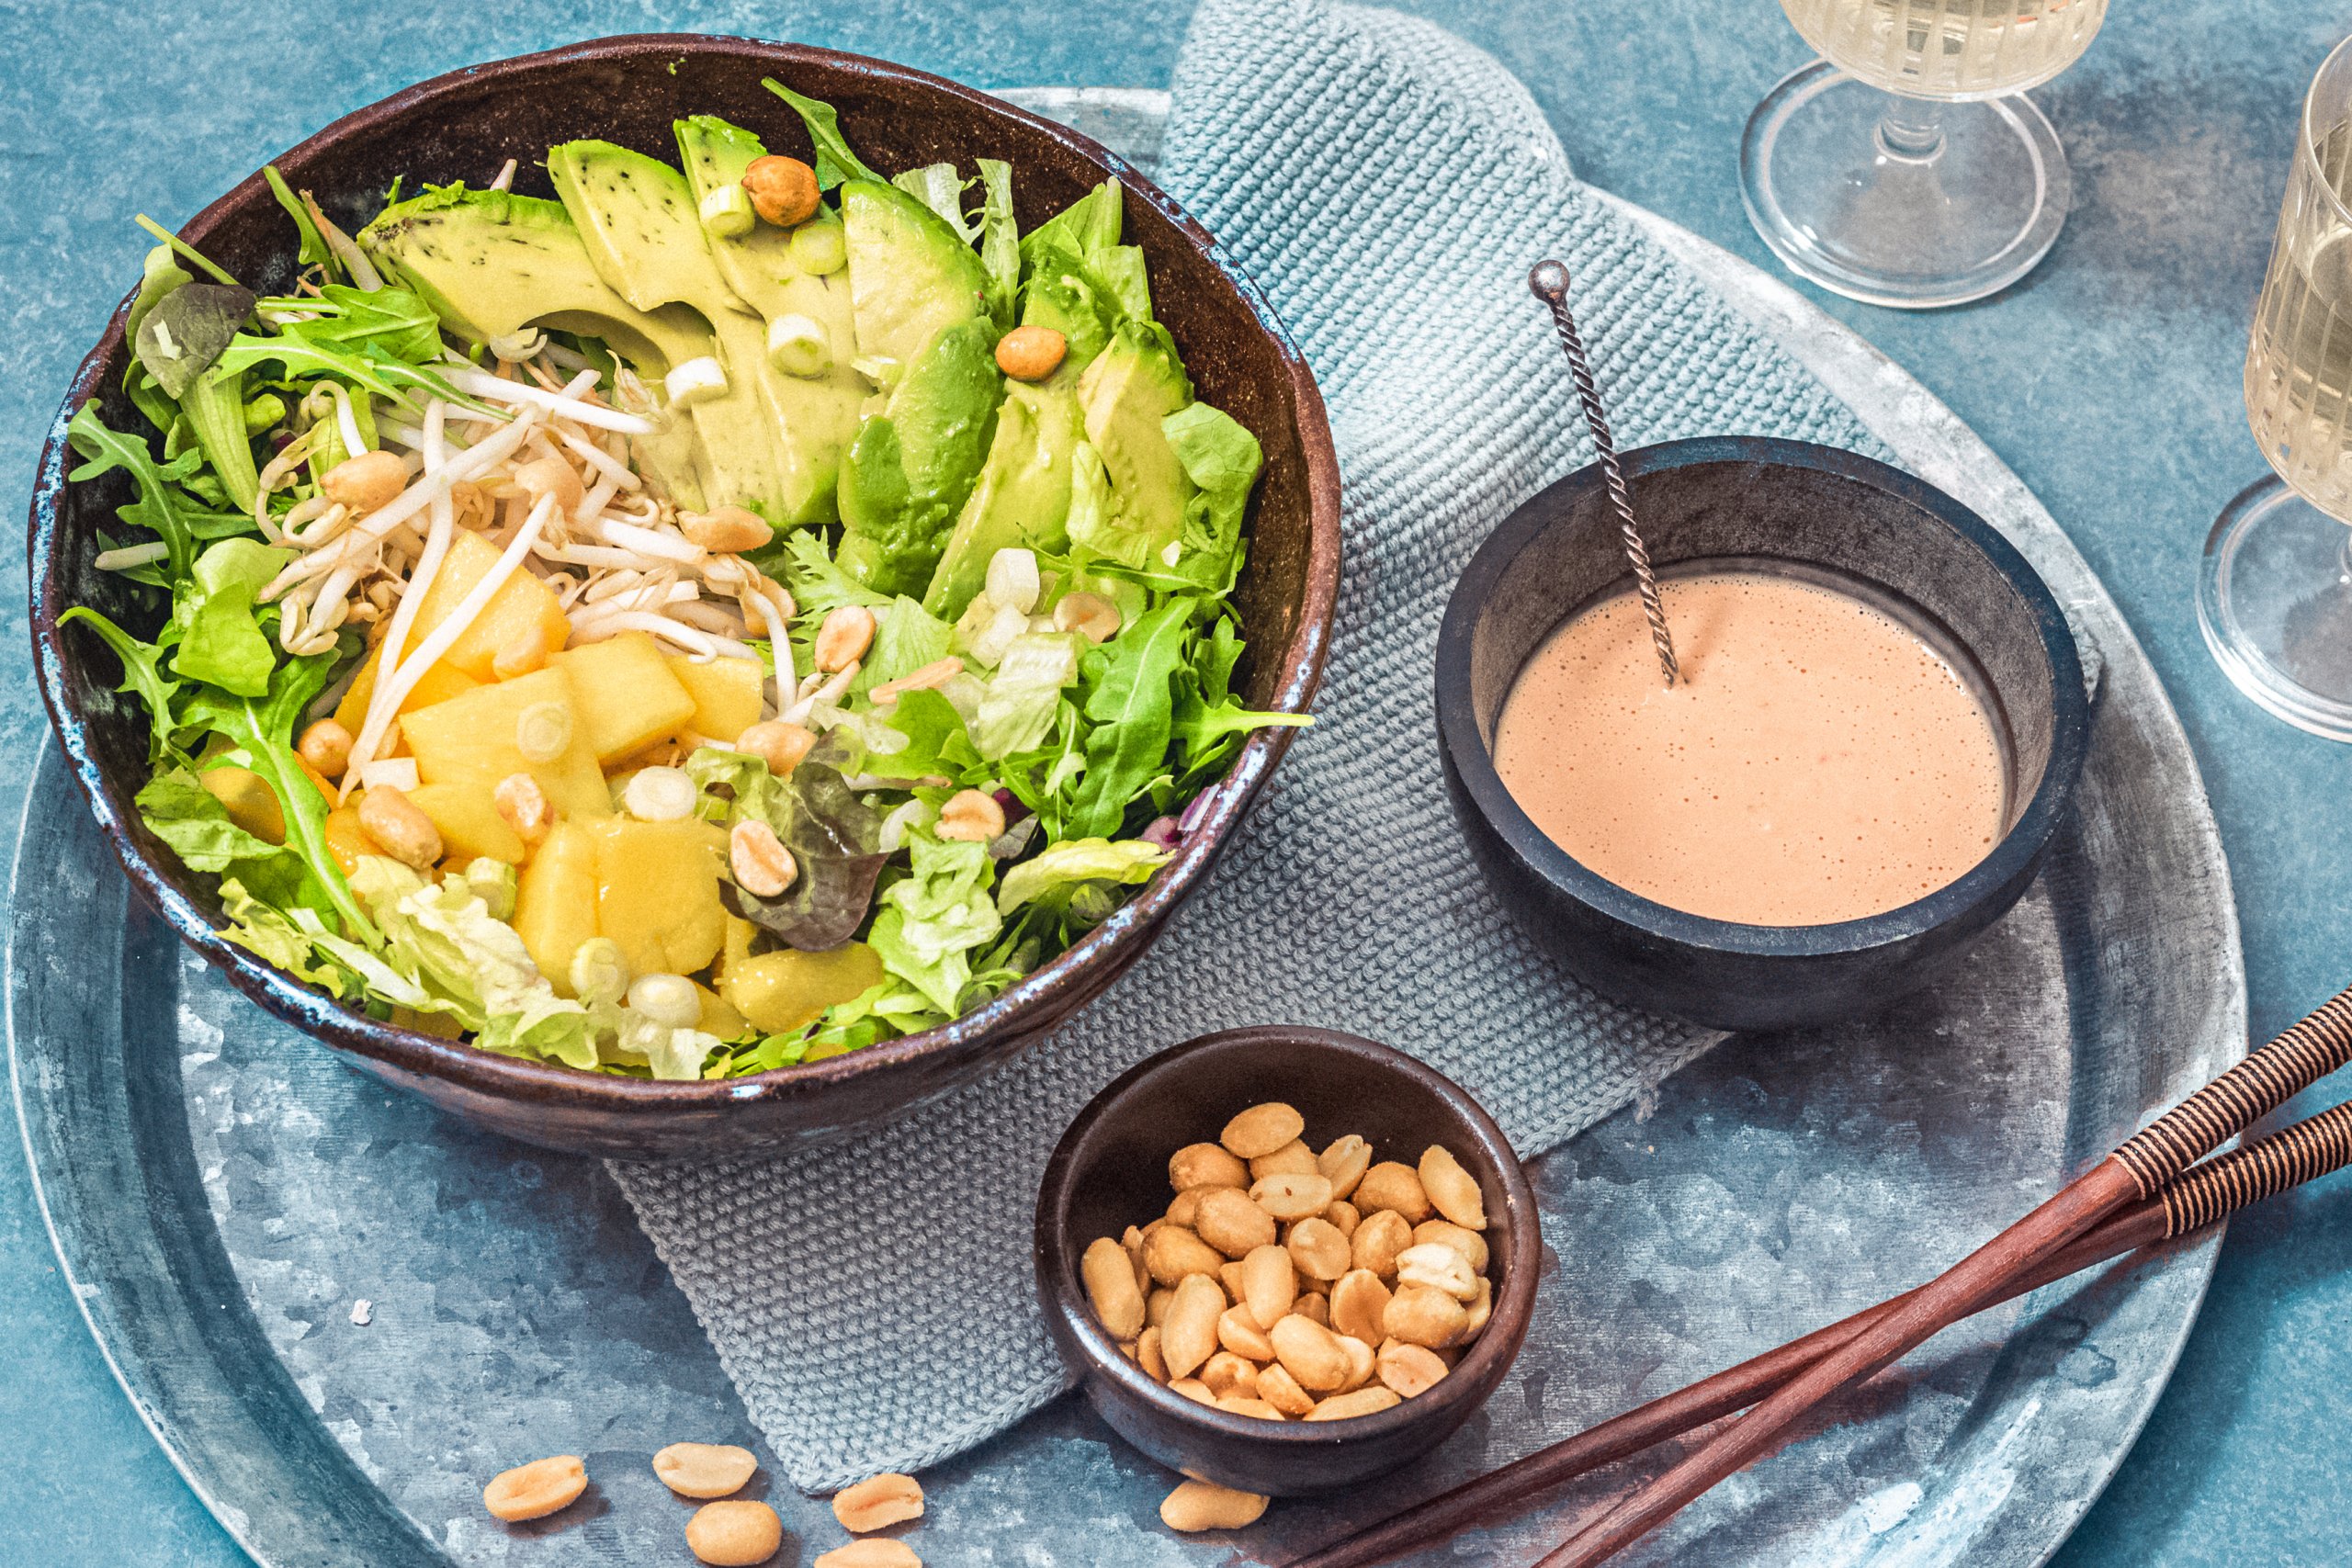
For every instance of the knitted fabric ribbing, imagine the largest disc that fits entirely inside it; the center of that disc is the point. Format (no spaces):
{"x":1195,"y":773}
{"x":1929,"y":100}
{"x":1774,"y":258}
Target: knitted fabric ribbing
{"x":1388,"y":187}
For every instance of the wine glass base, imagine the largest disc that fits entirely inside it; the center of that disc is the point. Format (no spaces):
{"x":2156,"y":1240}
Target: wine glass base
{"x":2274,"y":599}
{"x":1842,"y":206}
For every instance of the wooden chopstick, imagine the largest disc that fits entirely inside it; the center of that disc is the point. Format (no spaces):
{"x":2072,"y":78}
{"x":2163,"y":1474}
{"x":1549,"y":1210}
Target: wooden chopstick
{"x":2297,"y":1154}
{"x":2141,"y":1167}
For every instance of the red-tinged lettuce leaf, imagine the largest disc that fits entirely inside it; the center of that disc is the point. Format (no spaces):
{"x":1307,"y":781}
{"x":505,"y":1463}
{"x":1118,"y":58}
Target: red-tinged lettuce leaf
{"x":835,"y":839}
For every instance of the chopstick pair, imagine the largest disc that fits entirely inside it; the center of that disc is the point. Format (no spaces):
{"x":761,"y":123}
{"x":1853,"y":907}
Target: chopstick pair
{"x":2161,"y":1198}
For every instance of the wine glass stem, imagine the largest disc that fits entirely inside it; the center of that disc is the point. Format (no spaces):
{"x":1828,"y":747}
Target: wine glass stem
{"x":1912,"y":130}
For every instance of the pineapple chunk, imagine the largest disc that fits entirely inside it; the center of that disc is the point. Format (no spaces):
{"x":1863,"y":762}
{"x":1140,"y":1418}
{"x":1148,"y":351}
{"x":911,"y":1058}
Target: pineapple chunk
{"x":727,"y":693}
{"x":623,"y":693}
{"x":657,"y":891}
{"x":784,"y":992}
{"x":521,"y":602}
{"x":469,"y":823}
{"x":470,"y":741}
{"x":555,"y":903}
{"x":439,"y":685}
{"x":718,"y":1015}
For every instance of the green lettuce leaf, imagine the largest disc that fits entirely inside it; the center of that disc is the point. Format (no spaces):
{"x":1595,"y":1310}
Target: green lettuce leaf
{"x":1222,"y":458}
{"x":160,"y":275}
{"x":938,"y":744}
{"x":179,"y":810}
{"x":932,"y":918}
{"x":1019,"y":701}
{"x":999,"y":239}
{"x":188,"y":329}
{"x":222,"y":643}
{"x":906,"y":637}
{"x":1126,"y":860}
{"x":939,"y":187}
{"x":277,"y":941}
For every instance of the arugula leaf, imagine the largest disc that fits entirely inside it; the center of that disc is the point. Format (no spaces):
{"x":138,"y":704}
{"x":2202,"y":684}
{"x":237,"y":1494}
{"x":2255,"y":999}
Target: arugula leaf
{"x":312,"y":249}
{"x":999,"y":239}
{"x":222,"y":642}
{"x":1127,"y":861}
{"x":389,"y":378}
{"x":141,"y":673}
{"x":391,"y":322}
{"x":156,"y":510}
{"x":836,"y":162}
{"x":932,"y":918}
{"x":179,"y":339}
{"x":1129,"y":701}
{"x":214,"y":405}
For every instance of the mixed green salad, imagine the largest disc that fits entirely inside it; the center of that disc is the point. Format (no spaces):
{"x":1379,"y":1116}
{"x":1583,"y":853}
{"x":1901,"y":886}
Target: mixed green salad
{"x":734,"y":612}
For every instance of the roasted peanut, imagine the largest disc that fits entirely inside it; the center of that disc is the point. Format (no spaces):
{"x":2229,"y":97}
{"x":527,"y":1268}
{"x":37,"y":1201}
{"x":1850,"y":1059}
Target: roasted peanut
{"x":1248,"y":1405}
{"x":705,"y":1470}
{"x":1311,"y":1353}
{"x":1294,"y":1158}
{"x":1420,"y":1315}
{"x":1358,"y":1401}
{"x":1445,"y":1233}
{"x":1396,"y":1186}
{"x":734,"y":1535}
{"x":762,"y":866}
{"x":726,"y":530}
{"x":1237,"y":1331}
{"x":877,"y":1503}
{"x":1343,"y":1217}
{"x":1279,"y":1389}
{"x":1229,"y":1276}
{"x":1452,"y":1190}
{"x":1482,"y":1307}
{"x":523,"y":805}
{"x":1269,"y":1284}
{"x":526,"y":652}
{"x":780,"y":744}
{"x":1410,"y":1369}
{"x":1225,"y":1373}
{"x":1205,"y":1164}
{"x":365,"y":483}
{"x":875,"y":1552}
{"x":544,"y":477}
{"x":326,"y":746}
{"x":1231,"y":1222}
{"x":1091,"y":616}
{"x":930,"y":678}
{"x":1155,"y":1306}
{"x":1147,"y":1355}
{"x":1318,"y":1249}
{"x":843,"y":637}
{"x":970,"y":816}
{"x":1188,"y":1337}
{"x":1363,"y":1359}
{"x":1358,"y":1301}
{"x":1132,"y":1244}
{"x":390,"y":818}
{"x":1314,"y":1308}
{"x":1261,"y":1129}
{"x":1439,"y":1267}
{"x":1031,"y":353}
{"x":1291,"y":1197}
{"x":1377,"y":1242}
{"x":1193,"y":1389}
{"x":534,"y":1491}
{"x":1110,"y":1277}
{"x":1170,"y":1252}
{"x":1344,"y":1160}
{"x":1200,"y":1505}
{"x":1184,"y":1208}
{"x":783,"y":190}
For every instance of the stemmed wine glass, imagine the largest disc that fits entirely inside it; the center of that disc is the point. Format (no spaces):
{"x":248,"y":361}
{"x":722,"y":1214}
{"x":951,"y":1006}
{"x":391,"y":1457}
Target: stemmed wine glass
{"x":1906,"y":167}
{"x":2274,"y":593}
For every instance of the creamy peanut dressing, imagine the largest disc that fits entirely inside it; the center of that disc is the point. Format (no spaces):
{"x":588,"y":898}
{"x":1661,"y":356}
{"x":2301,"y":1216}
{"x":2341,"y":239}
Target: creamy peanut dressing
{"x":1817,"y":762}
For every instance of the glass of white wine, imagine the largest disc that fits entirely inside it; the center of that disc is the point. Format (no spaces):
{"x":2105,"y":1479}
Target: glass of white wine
{"x":1905,"y":166}
{"x":2274,"y":592}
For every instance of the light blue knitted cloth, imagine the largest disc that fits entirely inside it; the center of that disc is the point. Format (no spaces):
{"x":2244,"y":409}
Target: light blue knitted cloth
{"x":1388,"y":187}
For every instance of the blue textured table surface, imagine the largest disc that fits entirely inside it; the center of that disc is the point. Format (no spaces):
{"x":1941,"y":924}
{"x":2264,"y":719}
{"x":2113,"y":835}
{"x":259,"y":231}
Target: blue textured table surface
{"x":2109,"y":380}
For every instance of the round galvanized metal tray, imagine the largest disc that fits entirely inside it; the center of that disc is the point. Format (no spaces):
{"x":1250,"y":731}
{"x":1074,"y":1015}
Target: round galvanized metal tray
{"x":222,"y":1194}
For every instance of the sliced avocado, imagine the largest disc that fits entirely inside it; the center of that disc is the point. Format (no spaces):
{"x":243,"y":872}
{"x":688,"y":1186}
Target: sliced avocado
{"x":914,"y":463}
{"x":1136,"y":383}
{"x":1022,"y":497}
{"x":910,"y":275}
{"x":491,"y":263}
{"x":637,"y":216}
{"x":816,"y":415}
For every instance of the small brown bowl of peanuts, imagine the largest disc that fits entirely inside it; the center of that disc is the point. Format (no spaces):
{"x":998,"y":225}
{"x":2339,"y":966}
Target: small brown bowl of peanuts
{"x":1284,"y":1260}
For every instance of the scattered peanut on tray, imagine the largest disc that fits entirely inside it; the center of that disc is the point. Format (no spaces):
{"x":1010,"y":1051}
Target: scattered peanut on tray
{"x":1287,"y":1284}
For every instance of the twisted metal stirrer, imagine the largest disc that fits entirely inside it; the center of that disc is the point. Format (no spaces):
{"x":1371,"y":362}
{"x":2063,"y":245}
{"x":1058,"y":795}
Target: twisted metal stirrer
{"x":1550,"y":282}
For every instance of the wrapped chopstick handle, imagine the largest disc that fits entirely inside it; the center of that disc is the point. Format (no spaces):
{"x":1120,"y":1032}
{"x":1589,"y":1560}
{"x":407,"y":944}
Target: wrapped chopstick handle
{"x":2311,"y":1148}
{"x":2262,"y":1083}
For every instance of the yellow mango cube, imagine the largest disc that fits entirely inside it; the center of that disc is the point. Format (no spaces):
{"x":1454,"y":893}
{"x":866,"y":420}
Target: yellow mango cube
{"x":346,"y":841}
{"x":624,"y":692}
{"x":439,"y":685}
{"x":718,"y":1015}
{"x":470,"y":741}
{"x":555,"y":901}
{"x":469,"y":823}
{"x":521,"y":602}
{"x":657,"y":891}
{"x":250,"y":802}
{"x":727,"y":693}
{"x":784,"y":992}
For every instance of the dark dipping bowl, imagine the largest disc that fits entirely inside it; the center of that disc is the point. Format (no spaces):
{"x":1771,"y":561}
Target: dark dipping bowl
{"x":463,"y":126}
{"x":1830,"y":516}
{"x":1110,"y":1171}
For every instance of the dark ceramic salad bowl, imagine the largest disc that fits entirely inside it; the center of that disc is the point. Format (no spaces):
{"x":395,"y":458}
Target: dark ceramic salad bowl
{"x":629,"y":90}
{"x":1770,"y":505}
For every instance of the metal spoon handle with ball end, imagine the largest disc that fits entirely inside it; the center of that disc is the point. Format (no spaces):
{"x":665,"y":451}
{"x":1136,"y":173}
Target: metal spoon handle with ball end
{"x":1549,"y":281}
